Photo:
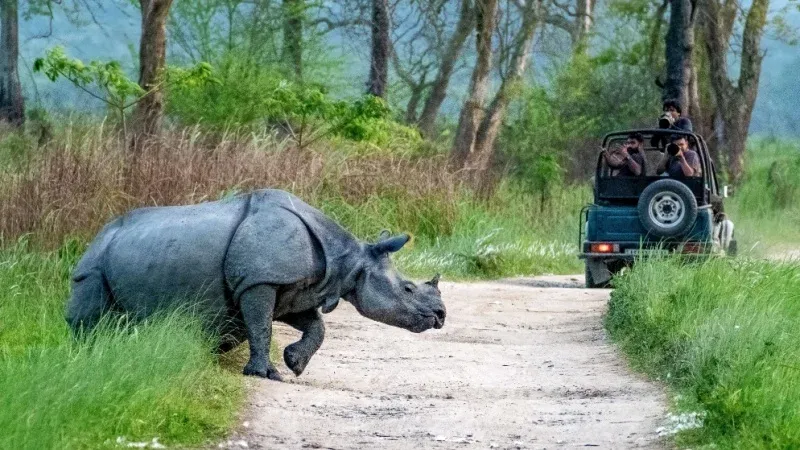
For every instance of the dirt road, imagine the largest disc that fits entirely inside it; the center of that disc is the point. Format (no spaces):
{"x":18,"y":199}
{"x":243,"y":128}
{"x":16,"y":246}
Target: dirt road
{"x":519,"y":364}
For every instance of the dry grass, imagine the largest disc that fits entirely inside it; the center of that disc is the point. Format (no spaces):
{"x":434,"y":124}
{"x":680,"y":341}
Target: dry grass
{"x":77,"y":182}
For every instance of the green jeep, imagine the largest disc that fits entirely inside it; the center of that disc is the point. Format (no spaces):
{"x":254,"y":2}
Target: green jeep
{"x":651,"y":214}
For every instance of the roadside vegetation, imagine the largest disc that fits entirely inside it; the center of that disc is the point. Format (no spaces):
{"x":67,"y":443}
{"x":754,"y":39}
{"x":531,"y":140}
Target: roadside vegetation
{"x":723,"y":335}
{"x":766,"y":207}
{"x":130,"y":382}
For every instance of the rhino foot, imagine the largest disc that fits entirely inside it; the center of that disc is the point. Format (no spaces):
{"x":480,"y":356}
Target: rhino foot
{"x":295,"y":359}
{"x":268,"y":372}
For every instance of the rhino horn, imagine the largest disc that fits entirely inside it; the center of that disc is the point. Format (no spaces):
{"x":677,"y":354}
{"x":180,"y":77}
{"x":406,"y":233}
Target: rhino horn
{"x":435,"y":281}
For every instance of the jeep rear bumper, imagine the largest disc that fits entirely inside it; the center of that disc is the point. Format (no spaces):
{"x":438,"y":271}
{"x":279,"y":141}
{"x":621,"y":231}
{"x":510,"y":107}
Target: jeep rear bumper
{"x":632,"y":250}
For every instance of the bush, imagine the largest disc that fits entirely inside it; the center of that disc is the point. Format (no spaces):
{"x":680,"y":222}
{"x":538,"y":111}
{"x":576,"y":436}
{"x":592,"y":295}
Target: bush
{"x":257,"y":97}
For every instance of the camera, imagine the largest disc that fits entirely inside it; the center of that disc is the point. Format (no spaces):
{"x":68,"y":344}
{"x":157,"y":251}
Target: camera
{"x":666,"y":121}
{"x":673,"y":149}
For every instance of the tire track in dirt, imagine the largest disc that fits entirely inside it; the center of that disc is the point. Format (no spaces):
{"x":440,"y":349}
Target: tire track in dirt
{"x":520,"y":363}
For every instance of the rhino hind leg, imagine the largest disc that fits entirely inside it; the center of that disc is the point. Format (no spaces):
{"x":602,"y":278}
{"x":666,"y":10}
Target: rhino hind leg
{"x":297,"y":355}
{"x":90,"y":299}
{"x":257,"y":305}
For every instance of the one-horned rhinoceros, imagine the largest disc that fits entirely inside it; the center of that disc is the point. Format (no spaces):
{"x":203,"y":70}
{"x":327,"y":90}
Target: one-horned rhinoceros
{"x":242,"y":263}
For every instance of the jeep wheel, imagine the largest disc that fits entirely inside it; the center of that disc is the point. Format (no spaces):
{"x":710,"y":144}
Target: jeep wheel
{"x":667,"y":208}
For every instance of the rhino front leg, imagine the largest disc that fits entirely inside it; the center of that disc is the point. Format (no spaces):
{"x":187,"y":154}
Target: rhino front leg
{"x":258,"y":304}
{"x":298,"y":354}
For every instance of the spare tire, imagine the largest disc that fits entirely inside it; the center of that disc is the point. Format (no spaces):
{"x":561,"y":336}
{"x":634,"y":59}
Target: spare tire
{"x":667,"y":208}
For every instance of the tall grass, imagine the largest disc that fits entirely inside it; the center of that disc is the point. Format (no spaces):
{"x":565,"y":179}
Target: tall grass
{"x":139,"y":382}
{"x":72,"y":186}
{"x":766,"y":207}
{"x":724,"y":335}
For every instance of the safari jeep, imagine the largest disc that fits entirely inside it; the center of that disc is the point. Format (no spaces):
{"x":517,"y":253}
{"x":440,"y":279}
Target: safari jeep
{"x":651,"y":214}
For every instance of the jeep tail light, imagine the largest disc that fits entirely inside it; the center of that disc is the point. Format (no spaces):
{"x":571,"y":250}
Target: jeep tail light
{"x":604,"y":248}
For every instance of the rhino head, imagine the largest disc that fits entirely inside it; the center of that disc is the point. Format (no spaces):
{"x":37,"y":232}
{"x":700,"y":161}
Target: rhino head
{"x":382,"y":294}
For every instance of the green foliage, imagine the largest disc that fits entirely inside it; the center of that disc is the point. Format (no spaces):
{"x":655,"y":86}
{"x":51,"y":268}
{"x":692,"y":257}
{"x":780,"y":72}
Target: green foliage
{"x":553,"y":130}
{"x":108,"y":82}
{"x":115,"y":88}
{"x":766,"y":206}
{"x":245,"y":96}
{"x":158,"y":379}
{"x":723,"y":334}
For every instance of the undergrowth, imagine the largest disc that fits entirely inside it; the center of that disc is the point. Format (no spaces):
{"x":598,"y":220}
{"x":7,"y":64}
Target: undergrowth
{"x":766,"y":207}
{"x":723,"y":334}
{"x":134,"y":382}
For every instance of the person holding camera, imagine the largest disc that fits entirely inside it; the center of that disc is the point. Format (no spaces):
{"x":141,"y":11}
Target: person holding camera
{"x":680,"y":161}
{"x":672,"y":119}
{"x":628,"y":159}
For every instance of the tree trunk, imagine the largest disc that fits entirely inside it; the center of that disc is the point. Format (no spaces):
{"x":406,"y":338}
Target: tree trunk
{"x":734,"y":102}
{"x":430,"y":111}
{"x":472,"y":112}
{"x":152,"y":61}
{"x":583,"y":25}
{"x":679,"y":43}
{"x":381,"y":46}
{"x":479,"y":161}
{"x":12,"y":106}
{"x":293,"y":13}
{"x":413,"y":102}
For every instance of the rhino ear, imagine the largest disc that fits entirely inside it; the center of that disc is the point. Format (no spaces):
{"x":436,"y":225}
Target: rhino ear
{"x":384,"y":234}
{"x":435,"y":281}
{"x":390,"y":245}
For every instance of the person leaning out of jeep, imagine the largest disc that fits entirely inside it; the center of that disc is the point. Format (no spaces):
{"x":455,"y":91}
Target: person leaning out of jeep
{"x":680,"y":161}
{"x":627,"y":160}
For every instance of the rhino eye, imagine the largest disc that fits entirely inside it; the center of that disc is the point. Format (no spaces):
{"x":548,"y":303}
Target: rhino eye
{"x":409,"y":288}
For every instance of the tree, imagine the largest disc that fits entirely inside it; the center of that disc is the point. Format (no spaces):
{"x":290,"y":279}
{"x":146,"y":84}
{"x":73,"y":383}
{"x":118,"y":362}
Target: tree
{"x":293,"y":20}
{"x":577,"y":20}
{"x":734,"y":100}
{"x":152,"y":61}
{"x":678,"y":51}
{"x":483,"y":155}
{"x":447,"y":65}
{"x":426,"y":48}
{"x":12,"y":106}
{"x":479,"y":125}
{"x":107,"y":82}
{"x":472,"y":112}
{"x":381,"y":46}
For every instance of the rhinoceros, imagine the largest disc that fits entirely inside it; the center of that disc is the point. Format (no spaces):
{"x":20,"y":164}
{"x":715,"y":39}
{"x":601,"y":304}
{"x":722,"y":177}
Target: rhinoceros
{"x":241,"y":263}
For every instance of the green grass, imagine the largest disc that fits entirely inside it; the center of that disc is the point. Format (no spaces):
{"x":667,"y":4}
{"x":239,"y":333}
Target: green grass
{"x":723,"y":334}
{"x":512,"y":235}
{"x":766,"y":207}
{"x":153,"y":380}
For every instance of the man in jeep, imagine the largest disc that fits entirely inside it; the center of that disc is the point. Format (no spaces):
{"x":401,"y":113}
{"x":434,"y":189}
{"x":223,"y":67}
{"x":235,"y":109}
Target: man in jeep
{"x":679,"y":160}
{"x":627,"y":161}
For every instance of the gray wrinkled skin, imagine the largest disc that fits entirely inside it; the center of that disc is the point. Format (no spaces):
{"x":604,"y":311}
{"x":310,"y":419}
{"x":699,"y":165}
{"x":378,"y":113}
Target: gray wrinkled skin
{"x":242,"y":263}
